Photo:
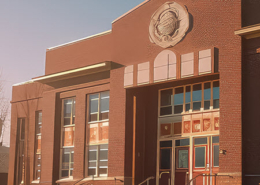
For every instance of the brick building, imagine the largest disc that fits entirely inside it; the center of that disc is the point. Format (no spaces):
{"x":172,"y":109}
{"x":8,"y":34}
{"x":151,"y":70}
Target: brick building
{"x":156,"y":99}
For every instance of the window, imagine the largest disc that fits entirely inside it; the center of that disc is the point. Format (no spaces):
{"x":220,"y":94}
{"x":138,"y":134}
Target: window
{"x":20,"y":158}
{"x":99,"y":106}
{"x":215,"y":95}
{"x":165,"y":155}
{"x":189,"y":98}
{"x":38,"y":133}
{"x":97,"y":137}
{"x":215,"y":143}
{"x":98,"y":159}
{"x":200,"y":147}
{"x":67,"y":137}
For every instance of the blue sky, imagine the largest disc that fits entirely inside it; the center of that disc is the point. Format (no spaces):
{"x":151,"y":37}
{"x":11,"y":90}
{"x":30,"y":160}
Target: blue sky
{"x":28,"y":28}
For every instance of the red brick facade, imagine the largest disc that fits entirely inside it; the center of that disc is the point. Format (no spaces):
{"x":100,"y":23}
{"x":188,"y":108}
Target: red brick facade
{"x":212,"y":25}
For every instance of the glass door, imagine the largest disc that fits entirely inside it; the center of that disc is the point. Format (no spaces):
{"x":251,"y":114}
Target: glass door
{"x":165,"y":163}
{"x":181,"y":161}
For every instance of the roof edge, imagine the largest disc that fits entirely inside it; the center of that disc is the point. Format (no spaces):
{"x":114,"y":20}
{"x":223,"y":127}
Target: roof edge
{"x":133,"y":9}
{"x":85,"y":38}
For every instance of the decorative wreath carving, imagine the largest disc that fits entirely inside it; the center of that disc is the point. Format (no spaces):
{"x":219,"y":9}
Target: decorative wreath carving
{"x":169,"y":24}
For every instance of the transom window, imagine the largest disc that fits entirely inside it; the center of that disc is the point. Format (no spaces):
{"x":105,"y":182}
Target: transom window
{"x":188,"y":98}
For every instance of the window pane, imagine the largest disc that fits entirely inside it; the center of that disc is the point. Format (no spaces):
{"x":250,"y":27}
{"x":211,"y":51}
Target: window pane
{"x":187,"y":95}
{"x":92,"y":155}
{"x":200,"y":157}
{"x":104,"y":94}
{"x":93,"y":117}
{"x":216,"y":155}
{"x":64,"y":173}
{"x":104,"y":104}
{"x":215,"y":104}
{"x":91,"y":171}
{"x":183,"y":159}
{"x":196,"y":105}
{"x":23,"y":129}
{"x":104,"y":115}
{"x":165,"y":111}
{"x":166,"y":144}
{"x":93,"y":106}
{"x":102,"y":171}
{"x":215,"y":139}
{"x":178,"y":109}
{"x":199,"y":141}
{"x":102,"y":163}
{"x":206,"y":105}
{"x":182,"y":142}
{"x":165,"y":159}
{"x":196,"y":95}
{"x":67,"y":107}
{"x":93,"y":96}
{"x":166,"y":97}
{"x":187,"y":107}
{"x":92,"y":164}
{"x":215,"y":90}
{"x":178,"y":96}
{"x":103,"y":154}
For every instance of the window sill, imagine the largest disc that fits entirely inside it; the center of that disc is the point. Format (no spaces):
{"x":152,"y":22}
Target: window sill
{"x":69,"y":179}
{"x":35,"y":182}
{"x":87,"y":179}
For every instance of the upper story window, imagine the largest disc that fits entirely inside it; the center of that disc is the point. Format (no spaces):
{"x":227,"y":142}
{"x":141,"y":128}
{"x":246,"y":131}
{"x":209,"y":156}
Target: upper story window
{"x":38,"y":135}
{"x":195,"y":97}
{"x":99,"y":106}
{"x":67,"y":137}
{"x":97,"y":138}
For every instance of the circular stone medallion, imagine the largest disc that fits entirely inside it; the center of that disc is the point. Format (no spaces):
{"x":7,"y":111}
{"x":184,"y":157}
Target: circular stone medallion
{"x":169,"y":24}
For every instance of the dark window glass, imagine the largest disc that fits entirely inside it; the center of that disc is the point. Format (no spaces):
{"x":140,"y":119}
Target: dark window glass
{"x":64,"y":173}
{"x":91,"y":171}
{"x":215,"y":139}
{"x":104,"y":115}
{"x":215,"y":104}
{"x":166,"y":97}
{"x":182,"y":142}
{"x":200,"y":157}
{"x":165,"y":159}
{"x":178,"y":109}
{"x":23,"y":129}
{"x":187,"y":94}
{"x":206,"y":105}
{"x":102,"y":171}
{"x":187,"y":107}
{"x":165,"y":111}
{"x":216,"y":155}
{"x":93,"y":117}
{"x":166,"y":144}
{"x":200,"y":141}
{"x":196,"y":105}
{"x":196,"y":95}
